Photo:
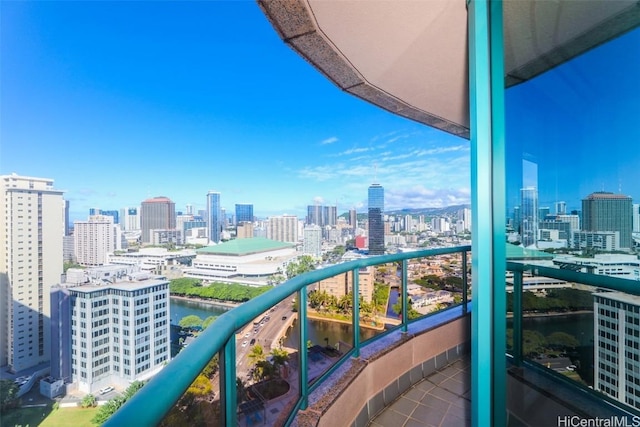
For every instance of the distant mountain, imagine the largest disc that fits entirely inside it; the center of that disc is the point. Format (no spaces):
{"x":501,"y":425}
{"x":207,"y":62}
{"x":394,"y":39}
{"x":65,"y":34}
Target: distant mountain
{"x":446,"y":211}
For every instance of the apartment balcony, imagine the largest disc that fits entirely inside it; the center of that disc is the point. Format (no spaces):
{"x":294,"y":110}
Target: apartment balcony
{"x":418,"y":372}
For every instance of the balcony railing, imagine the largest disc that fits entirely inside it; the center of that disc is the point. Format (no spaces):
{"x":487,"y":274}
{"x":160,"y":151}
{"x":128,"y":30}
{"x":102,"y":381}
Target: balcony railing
{"x":151,"y":403}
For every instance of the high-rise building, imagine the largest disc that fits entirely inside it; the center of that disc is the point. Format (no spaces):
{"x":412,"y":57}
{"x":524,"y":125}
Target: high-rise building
{"x":156,"y":213}
{"x":353,"y":218}
{"x":329,"y":216}
{"x":112,"y":329}
{"x":113,"y":213}
{"x":314,"y":215}
{"x":312,"y":240}
{"x":130,"y":219}
{"x":528,"y":216}
{"x":604,"y":211}
{"x":244,"y":212}
{"x":561,"y":208}
{"x":616,"y":329}
{"x":244,"y":230}
{"x":543,"y":212}
{"x":31,"y":254}
{"x":636,"y":218}
{"x":214,"y":216}
{"x":67,"y":224}
{"x":322,"y":215}
{"x":94,"y":239}
{"x":283,"y":228}
{"x":376,"y":223}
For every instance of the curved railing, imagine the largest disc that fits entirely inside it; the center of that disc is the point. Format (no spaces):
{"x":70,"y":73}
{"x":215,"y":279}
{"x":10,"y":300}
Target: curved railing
{"x":149,"y":406}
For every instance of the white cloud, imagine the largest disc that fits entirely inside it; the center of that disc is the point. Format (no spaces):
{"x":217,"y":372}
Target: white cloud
{"x":329,"y":140}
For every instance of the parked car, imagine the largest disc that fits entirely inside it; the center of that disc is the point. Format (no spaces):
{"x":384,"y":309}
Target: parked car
{"x":106,"y":390}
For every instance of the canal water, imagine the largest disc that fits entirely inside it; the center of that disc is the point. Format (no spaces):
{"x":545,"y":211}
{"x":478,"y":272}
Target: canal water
{"x":318,"y":330}
{"x":181,"y":308}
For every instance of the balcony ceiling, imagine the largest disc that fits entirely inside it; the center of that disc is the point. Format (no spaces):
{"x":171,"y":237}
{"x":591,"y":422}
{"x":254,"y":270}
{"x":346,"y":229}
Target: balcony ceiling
{"x":410,"y":56}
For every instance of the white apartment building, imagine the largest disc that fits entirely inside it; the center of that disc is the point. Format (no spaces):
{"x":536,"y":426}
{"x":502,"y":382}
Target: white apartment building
{"x":312,"y":241}
{"x":95,"y":238}
{"x":616,"y":318}
{"x":119,"y":331}
{"x":130,"y":219}
{"x":31,"y":261}
{"x":283,"y":228}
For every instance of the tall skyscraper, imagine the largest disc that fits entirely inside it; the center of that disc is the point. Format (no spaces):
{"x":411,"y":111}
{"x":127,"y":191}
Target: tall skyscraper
{"x":31,"y":254}
{"x":604,"y":211}
{"x":214,"y":216}
{"x":529,"y":216}
{"x":329,"y":216}
{"x":314,"y":215}
{"x":283,"y":228}
{"x":376,"y":223}
{"x":157,"y":213}
{"x":561,"y":208}
{"x":67,"y":224}
{"x":636,"y":218}
{"x":94,"y":239}
{"x":244,"y":212}
{"x":353,"y":218}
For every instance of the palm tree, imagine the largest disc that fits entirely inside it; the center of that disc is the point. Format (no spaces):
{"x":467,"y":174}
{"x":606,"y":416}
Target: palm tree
{"x":257,"y":354}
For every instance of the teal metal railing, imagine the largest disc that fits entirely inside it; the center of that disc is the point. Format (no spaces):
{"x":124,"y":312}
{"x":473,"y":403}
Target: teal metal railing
{"x":151,"y":403}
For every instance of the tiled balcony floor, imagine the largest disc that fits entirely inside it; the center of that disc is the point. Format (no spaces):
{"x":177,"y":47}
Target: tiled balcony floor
{"x":440,"y":400}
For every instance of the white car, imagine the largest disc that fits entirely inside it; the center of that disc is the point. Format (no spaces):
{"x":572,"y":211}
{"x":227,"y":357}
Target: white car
{"x":244,"y":343}
{"x":106,"y":390}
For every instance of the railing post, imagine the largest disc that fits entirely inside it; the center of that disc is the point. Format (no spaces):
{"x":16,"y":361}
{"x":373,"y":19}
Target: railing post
{"x":356,"y":312}
{"x":228,"y":392}
{"x":404,"y":295}
{"x":517,"y":318}
{"x":302,"y":351}
{"x":465,"y":283}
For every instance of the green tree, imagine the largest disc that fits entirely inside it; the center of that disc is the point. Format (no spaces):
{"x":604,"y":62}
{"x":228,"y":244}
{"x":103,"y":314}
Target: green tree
{"x":190,"y":322}
{"x":8,"y":394}
{"x":89,"y":401}
{"x":200,"y":387}
{"x":562,"y":340}
{"x":256,"y":354}
{"x":69,"y":264}
{"x":303,"y":264}
{"x":105,"y":411}
{"x":209,"y":320}
{"x":533,"y":342}
{"x":212,"y":367}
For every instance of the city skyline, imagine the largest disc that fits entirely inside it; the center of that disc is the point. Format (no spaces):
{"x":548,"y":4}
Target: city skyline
{"x":200,"y":100}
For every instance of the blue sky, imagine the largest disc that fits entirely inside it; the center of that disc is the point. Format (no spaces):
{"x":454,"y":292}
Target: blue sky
{"x":579,"y":123}
{"x":119,"y":101}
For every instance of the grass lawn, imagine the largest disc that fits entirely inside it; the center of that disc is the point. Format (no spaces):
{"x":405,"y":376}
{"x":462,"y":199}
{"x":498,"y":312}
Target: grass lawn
{"x":76,"y":417}
{"x":63,"y":417}
{"x":24,"y":417}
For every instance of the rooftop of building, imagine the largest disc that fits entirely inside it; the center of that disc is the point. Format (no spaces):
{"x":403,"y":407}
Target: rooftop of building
{"x":124,"y":285}
{"x":240,"y":247}
{"x":159,"y":199}
{"x":606,"y":195}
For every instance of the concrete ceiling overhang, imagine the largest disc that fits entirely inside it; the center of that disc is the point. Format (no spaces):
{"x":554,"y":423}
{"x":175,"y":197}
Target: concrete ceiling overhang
{"x":410,"y":57}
